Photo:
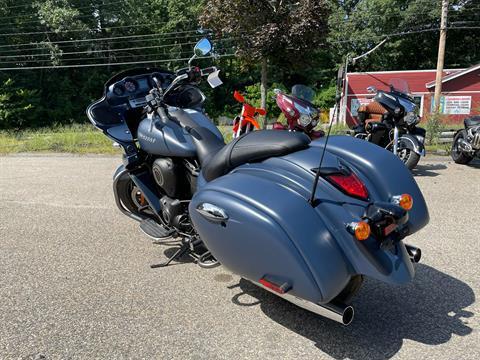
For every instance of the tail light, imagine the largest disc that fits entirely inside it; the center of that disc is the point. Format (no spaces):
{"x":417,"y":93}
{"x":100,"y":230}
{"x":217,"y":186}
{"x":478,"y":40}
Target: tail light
{"x":350,"y":184}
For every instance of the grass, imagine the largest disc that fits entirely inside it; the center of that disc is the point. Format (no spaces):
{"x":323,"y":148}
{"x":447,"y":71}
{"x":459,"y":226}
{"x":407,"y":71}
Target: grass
{"x":77,"y":139}
{"x":85,"y":139}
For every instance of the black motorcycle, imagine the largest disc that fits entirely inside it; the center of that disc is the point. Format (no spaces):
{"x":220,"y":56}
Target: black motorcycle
{"x":391,"y":122}
{"x":466,"y":143}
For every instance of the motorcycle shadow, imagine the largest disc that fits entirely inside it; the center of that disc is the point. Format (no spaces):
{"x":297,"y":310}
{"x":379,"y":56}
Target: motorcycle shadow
{"x":429,"y":310}
{"x":428,"y":170}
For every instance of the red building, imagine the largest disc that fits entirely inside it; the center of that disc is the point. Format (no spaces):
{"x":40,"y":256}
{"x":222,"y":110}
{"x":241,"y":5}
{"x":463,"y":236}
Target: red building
{"x":460,"y":91}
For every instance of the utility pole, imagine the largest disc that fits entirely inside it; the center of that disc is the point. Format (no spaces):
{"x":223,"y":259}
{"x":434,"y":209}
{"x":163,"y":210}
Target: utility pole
{"x":441,"y":55}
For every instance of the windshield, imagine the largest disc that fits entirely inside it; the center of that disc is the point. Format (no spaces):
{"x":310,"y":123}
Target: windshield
{"x":303,"y":92}
{"x":400,"y":85}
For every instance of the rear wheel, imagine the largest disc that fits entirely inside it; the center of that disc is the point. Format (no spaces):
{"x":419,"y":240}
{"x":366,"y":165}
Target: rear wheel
{"x":350,"y":290}
{"x":458,"y":155}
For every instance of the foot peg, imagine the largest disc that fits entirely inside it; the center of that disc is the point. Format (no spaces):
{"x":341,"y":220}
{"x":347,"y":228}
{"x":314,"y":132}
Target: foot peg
{"x":193,"y":247}
{"x":154,"y":230}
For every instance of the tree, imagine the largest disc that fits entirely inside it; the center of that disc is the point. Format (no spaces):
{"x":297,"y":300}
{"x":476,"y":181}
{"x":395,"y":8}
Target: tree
{"x":269,"y":31}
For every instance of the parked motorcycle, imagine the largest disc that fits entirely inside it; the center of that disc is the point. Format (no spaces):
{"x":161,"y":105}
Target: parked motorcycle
{"x":308,"y":231}
{"x":247,"y":121}
{"x":466,"y":142}
{"x":391,"y":122}
{"x":301,"y":114}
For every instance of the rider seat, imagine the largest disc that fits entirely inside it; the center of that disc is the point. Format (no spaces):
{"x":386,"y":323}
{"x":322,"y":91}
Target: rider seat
{"x":472,"y":121}
{"x":371,"y":112}
{"x":217,"y":159}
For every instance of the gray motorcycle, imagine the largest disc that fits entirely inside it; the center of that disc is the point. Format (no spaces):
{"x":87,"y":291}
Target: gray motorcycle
{"x":466,"y":142}
{"x":304,"y":220}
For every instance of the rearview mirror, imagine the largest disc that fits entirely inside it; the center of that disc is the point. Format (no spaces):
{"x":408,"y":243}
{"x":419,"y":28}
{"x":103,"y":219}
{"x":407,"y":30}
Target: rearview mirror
{"x":371,"y":89}
{"x":203,"y":47}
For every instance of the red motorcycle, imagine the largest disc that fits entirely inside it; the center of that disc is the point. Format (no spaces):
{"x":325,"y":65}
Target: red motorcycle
{"x":247,"y":121}
{"x":301,"y":114}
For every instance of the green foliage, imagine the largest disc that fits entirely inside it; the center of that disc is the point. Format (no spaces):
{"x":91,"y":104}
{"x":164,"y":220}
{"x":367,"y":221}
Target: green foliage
{"x":304,"y":41}
{"x":325,"y":98}
{"x":434,"y":125}
{"x":19,"y":107}
{"x":252,"y":95}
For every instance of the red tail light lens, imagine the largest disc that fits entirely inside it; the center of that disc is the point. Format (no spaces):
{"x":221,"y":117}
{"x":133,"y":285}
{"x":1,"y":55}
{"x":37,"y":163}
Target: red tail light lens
{"x":350,"y":184}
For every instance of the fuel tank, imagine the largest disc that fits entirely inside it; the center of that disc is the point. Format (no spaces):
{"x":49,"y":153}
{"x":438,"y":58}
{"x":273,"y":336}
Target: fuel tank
{"x":172,"y":139}
{"x":263,"y":225}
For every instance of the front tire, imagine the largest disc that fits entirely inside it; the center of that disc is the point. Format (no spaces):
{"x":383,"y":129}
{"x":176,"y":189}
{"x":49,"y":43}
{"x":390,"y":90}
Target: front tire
{"x":409,"y":157}
{"x":130,"y":196}
{"x":457,"y":155}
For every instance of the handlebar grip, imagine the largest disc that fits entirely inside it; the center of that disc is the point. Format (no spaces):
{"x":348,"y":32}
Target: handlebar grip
{"x":209,"y":70}
{"x":163,"y":115}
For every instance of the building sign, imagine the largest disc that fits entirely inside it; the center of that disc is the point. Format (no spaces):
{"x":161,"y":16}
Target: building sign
{"x":454,"y":105}
{"x":356,"y":103}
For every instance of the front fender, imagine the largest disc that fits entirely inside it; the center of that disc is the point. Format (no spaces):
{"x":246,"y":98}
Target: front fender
{"x":413,"y":143}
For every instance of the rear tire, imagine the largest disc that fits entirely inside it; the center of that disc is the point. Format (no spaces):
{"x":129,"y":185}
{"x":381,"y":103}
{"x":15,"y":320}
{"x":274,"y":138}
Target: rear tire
{"x":457,"y":155}
{"x":352,"y":288}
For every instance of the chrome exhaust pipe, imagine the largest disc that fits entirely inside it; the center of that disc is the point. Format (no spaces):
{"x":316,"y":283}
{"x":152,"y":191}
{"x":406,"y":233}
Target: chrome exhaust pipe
{"x":338,"y":312}
{"x":414,"y":253}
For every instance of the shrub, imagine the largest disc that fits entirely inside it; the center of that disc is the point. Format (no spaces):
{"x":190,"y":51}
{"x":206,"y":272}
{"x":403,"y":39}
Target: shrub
{"x":19,"y":107}
{"x":434,"y":126}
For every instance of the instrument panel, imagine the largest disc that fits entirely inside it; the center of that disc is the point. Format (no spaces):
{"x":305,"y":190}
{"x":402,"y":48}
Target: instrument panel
{"x":133,"y":89}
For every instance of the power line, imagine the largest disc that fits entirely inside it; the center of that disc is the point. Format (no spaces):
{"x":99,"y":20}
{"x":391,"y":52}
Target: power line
{"x":102,"y":38}
{"x":75,"y":46}
{"x":75,"y":8}
{"x":97,"y":51}
{"x":103,"y":52}
{"x":72,"y":31}
{"x":107,"y":64}
{"x":115,"y":57}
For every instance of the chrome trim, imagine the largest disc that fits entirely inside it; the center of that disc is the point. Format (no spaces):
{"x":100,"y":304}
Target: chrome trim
{"x":340,"y":313}
{"x":395,"y":140}
{"x":414,"y":253}
{"x":212,"y":212}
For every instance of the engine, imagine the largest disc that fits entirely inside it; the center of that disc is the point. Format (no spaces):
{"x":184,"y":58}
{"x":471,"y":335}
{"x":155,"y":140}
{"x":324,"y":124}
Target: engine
{"x":474,"y":137}
{"x":176,"y":180}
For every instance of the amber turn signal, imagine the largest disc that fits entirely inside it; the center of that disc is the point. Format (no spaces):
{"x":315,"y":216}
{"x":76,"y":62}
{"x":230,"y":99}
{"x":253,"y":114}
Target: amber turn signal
{"x":405,"y":201}
{"x":360,"y":229}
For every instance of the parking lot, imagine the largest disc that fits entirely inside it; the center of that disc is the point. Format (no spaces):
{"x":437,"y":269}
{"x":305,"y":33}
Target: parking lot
{"x":75,"y":281}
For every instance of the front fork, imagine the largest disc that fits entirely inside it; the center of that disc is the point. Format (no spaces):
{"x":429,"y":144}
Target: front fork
{"x":396,"y":133}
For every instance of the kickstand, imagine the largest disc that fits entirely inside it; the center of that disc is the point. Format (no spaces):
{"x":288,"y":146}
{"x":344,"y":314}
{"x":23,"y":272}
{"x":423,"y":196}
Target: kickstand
{"x":179,"y":253}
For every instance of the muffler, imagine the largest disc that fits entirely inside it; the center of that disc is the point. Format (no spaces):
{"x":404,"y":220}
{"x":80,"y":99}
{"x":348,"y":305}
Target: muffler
{"x":414,"y":253}
{"x":334,"y":311}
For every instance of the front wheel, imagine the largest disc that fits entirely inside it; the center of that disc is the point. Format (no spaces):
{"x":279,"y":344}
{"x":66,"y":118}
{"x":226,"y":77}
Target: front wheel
{"x":131,"y":198}
{"x":458,"y":155}
{"x":409,"y":157}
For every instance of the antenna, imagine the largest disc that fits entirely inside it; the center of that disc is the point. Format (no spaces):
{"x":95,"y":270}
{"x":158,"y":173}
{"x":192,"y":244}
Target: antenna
{"x":335,"y":116}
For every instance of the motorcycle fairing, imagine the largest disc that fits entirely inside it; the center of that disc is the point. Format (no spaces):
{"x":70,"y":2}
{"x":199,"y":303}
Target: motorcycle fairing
{"x":271,"y":226}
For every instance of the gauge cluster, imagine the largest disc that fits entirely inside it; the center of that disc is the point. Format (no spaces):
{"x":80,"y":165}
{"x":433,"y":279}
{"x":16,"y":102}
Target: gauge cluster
{"x":133,"y":89}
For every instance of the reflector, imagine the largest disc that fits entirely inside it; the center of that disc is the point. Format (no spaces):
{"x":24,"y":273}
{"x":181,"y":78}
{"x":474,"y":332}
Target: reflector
{"x":349,"y":184}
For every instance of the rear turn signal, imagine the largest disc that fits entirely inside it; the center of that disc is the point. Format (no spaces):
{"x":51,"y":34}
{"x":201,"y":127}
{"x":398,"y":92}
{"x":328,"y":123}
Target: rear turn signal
{"x":360,"y":229}
{"x":405,"y":201}
{"x":349,"y":184}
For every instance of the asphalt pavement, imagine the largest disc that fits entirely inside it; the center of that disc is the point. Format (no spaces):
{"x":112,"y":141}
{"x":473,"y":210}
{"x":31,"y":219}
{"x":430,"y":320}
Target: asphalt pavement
{"x":76,"y":283}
